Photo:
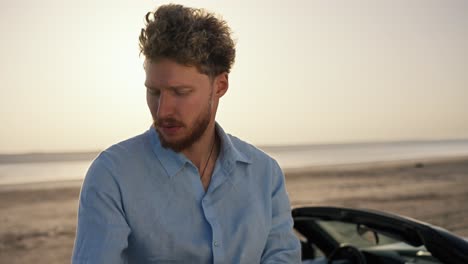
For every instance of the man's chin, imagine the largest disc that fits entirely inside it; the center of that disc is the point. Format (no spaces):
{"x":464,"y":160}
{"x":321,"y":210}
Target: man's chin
{"x":175,"y":145}
{"x":184,"y":137}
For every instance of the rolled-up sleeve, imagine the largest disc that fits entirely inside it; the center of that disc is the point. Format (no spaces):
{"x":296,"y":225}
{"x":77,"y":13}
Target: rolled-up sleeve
{"x":102,"y":231}
{"x":282,"y":245}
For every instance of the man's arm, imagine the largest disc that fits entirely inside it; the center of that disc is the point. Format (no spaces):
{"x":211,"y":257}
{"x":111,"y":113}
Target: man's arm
{"x":102,"y":231}
{"x":282,"y":245}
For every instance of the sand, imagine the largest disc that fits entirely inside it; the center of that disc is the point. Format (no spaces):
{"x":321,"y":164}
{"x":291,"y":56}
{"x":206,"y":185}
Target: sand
{"x":37,"y":222}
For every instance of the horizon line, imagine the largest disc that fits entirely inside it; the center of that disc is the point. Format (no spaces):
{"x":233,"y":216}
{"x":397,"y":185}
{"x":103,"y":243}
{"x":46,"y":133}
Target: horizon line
{"x":260,"y":146}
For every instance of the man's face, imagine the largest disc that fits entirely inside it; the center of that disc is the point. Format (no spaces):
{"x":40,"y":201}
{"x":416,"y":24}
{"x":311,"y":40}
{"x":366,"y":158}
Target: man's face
{"x":180,"y":100}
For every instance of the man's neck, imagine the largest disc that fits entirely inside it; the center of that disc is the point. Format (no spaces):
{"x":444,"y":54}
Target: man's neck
{"x":199,"y":152}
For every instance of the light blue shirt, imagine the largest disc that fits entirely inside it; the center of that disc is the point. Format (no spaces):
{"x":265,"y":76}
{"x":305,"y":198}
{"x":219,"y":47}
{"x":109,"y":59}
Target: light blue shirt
{"x":142,"y":203}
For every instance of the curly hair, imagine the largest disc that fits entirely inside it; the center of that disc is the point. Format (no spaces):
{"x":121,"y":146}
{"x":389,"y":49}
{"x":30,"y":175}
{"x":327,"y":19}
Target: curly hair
{"x":189,"y":36}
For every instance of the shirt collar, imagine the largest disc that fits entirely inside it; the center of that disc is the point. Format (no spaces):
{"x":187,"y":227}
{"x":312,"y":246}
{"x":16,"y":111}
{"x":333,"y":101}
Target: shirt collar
{"x":229,"y":153}
{"x":173,"y":162}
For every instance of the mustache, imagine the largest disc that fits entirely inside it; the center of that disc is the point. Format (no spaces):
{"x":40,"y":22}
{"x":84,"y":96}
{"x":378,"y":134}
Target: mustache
{"x":167,"y":122}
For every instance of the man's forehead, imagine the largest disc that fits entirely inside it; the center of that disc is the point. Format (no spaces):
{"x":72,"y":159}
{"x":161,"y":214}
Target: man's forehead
{"x":164,"y":81}
{"x":167,"y":86}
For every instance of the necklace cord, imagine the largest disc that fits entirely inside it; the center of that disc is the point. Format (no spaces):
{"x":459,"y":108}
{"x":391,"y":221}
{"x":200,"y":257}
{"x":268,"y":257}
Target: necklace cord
{"x":208,"y":160}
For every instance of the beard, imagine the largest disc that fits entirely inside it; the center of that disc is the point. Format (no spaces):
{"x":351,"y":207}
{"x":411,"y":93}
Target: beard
{"x":199,"y":127}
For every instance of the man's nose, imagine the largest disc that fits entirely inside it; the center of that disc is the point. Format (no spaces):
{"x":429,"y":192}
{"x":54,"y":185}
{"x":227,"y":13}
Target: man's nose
{"x":165,"y":105}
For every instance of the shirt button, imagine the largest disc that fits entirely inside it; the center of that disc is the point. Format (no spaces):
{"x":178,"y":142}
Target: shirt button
{"x":216,"y":244}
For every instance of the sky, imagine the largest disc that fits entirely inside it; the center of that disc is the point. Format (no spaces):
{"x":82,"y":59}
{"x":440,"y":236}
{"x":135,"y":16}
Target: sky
{"x":306,"y":72}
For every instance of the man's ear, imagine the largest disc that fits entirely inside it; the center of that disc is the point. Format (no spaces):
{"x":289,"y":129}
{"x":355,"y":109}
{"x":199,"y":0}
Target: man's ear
{"x":221,"y":84}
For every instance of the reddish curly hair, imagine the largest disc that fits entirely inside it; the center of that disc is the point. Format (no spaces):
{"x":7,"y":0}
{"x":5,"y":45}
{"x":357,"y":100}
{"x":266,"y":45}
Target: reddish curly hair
{"x":189,"y":36}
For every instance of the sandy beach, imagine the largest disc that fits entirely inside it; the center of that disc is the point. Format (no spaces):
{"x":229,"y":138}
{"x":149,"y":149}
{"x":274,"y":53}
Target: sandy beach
{"x":38,"y":221}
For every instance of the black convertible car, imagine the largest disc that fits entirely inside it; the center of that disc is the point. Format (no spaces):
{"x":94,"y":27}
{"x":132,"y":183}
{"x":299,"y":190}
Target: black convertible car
{"x":355,"y":236}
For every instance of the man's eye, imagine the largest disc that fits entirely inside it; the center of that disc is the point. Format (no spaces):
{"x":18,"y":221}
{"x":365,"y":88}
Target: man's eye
{"x":153,"y":92}
{"x":181,"y":91}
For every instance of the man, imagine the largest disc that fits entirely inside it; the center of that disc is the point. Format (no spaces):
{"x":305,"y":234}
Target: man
{"x":185,"y":191}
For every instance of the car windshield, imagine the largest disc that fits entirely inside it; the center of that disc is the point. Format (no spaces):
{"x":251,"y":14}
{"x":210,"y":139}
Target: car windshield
{"x":355,"y":234}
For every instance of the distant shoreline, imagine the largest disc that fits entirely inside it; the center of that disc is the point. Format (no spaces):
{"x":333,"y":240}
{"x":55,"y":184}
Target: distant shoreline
{"x":67,"y":156}
{"x":47,"y":157}
{"x":290,"y":173}
{"x":414,"y":162}
{"x":275,"y":148}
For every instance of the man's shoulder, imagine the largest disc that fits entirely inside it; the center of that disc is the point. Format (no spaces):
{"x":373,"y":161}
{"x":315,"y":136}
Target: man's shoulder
{"x":251,"y":152}
{"x":125,"y":164}
{"x":127,"y":150}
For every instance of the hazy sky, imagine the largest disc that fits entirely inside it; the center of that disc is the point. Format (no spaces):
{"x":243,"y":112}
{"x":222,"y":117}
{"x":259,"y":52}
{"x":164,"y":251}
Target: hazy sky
{"x":305,"y":72}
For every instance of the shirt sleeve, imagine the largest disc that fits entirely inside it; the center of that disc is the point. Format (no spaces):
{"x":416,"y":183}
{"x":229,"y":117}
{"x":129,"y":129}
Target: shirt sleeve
{"x":282,"y":245}
{"x":102,"y":231}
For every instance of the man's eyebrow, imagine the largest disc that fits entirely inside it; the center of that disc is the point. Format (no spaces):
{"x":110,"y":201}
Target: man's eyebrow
{"x":182,"y":86}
